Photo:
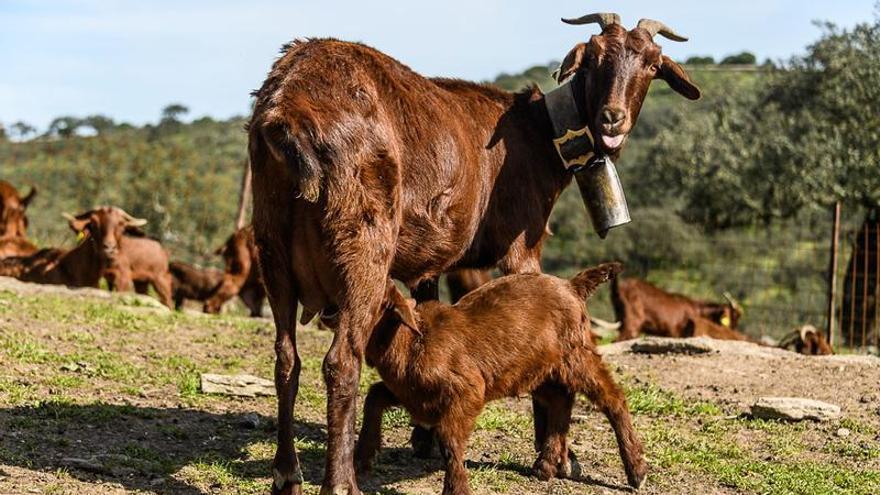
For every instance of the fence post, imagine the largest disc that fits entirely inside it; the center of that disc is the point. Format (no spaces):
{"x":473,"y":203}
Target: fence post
{"x":243,"y":196}
{"x":832,"y":269}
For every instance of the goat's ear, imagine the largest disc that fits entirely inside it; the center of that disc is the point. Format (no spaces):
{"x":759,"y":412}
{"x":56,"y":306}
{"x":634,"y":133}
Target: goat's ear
{"x":77,"y":223}
{"x":25,"y":201}
{"x":571,"y":63}
{"x":677,"y":79}
{"x":402,"y":307}
{"x":220,"y":251}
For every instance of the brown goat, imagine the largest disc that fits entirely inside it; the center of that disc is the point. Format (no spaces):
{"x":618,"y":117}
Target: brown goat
{"x":516,"y":335}
{"x":16,"y":246}
{"x":82,"y":266}
{"x":642,"y":307}
{"x":364,"y":169}
{"x":241,"y":276}
{"x":13,"y":220}
{"x":807,"y":340}
{"x":190,"y":282}
{"x":698,"y":326}
{"x":139,"y":262}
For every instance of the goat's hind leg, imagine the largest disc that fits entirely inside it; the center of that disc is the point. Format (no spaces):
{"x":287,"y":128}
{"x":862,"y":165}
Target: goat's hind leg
{"x":275,"y":253}
{"x":555,"y":460}
{"x":596,"y":382}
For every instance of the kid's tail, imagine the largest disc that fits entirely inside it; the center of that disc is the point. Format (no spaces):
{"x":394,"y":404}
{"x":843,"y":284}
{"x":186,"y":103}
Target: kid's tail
{"x":586,"y":282}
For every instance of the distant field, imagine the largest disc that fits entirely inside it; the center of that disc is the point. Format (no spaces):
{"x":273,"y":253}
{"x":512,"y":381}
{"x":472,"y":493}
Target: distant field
{"x":102,"y":396}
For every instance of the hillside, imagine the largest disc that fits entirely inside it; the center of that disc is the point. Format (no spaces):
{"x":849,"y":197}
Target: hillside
{"x":184,"y":178}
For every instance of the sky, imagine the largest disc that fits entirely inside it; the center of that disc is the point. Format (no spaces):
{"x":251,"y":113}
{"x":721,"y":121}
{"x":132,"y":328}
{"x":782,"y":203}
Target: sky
{"x":127,"y":59}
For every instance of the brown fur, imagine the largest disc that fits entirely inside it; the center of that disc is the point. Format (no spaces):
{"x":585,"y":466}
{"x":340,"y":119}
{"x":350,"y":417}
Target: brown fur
{"x":14,"y":222}
{"x":193,"y":283}
{"x":139,"y":262}
{"x":644,"y":308}
{"x":82,"y":266}
{"x":241,"y":276}
{"x":518,"y":334}
{"x":701,"y":327}
{"x":461,"y":282}
{"x":807,"y":340}
{"x":364,"y":169}
{"x":16,"y":246}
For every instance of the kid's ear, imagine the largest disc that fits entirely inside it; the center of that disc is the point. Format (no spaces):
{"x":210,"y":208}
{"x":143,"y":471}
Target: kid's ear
{"x":404,"y":308}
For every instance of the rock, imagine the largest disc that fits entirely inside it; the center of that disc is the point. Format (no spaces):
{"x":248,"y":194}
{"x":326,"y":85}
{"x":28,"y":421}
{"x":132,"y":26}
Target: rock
{"x":794,"y":409}
{"x":237,"y":385}
{"x":843,"y":432}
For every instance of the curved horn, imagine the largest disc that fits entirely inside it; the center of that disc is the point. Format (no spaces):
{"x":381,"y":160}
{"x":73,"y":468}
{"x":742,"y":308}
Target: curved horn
{"x":804,"y":330}
{"x":68,"y":216}
{"x":132,"y":221}
{"x":656,"y":27}
{"x":603,"y":19}
{"x":733,"y":302}
{"x":605,"y":325}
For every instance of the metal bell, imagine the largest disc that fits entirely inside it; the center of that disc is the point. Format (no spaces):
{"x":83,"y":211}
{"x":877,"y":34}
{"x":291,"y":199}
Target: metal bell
{"x":602,"y":194}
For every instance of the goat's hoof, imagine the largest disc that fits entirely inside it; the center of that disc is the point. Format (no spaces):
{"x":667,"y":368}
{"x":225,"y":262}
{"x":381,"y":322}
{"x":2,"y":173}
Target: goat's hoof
{"x":571,"y":468}
{"x":637,"y":480}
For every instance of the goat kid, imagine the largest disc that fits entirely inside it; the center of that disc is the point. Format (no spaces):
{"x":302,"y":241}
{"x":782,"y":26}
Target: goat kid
{"x":518,"y":334}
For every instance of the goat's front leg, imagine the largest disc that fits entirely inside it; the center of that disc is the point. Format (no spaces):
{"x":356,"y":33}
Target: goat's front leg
{"x":379,"y":398}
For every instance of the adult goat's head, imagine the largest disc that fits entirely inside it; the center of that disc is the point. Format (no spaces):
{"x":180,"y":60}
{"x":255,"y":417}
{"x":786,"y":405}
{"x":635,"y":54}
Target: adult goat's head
{"x":104,"y":227}
{"x":617,"y":67}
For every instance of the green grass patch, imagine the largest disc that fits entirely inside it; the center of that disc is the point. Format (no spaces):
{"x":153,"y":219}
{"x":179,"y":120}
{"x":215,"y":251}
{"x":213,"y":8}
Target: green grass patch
{"x":651,"y":400}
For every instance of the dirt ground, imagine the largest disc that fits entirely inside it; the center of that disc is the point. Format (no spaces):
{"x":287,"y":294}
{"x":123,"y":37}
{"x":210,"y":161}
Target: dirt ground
{"x":101,"y":395}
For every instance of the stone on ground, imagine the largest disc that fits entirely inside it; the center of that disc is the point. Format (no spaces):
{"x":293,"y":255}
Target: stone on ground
{"x":238,"y":385}
{"x":794,"y":409}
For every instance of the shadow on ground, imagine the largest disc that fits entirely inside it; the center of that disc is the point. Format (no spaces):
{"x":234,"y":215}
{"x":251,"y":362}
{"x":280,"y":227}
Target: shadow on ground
{"x":142,"y":447}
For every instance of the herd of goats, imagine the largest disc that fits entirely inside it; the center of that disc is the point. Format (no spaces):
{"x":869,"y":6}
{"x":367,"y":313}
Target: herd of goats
{"x":111,"y":246}
{"x":365,"y":171}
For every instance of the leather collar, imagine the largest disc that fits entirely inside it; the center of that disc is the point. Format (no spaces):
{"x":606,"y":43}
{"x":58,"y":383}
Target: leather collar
{"x":571,"y":137}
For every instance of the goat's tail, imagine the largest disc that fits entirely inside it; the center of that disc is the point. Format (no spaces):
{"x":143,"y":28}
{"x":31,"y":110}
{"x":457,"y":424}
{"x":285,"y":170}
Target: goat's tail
{"x":586,"y":282}
{"x":293,"y":146}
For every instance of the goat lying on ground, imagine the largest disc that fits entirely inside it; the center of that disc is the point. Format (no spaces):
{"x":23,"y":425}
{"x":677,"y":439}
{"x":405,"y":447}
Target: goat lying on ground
{"x":242,"y":274}
{"x":137,"y":263}
{"x":82,"y":266}
{"x":190,"y":282}
{"x":517,"y":334}
{"x":642,"y":307}
{"x":697,"y":326}
{"x":807,"y":340}
{"x":16,"y":246}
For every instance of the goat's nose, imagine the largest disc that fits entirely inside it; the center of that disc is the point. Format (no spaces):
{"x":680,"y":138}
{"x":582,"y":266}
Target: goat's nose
{"x":613,"y":116}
